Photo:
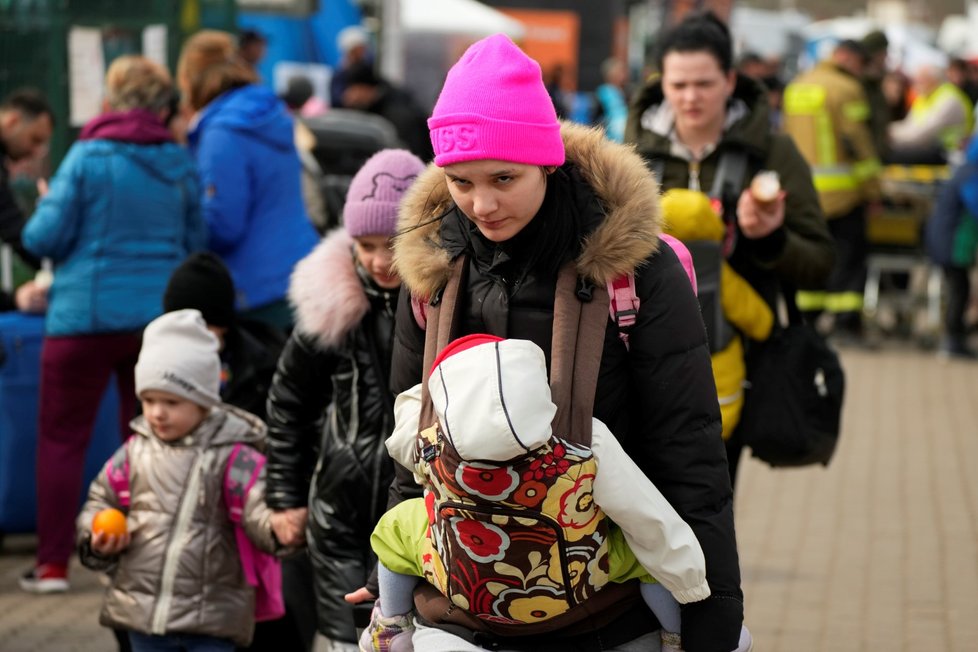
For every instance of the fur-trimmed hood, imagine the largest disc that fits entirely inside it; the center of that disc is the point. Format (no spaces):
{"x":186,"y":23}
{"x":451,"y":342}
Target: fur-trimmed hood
{"x":326,"y":292}
{"x":624,"y":185}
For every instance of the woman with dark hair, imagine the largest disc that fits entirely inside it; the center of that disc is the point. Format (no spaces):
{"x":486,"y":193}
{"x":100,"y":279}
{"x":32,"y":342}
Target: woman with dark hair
{"x":242,"y":137}
{"x":697,"y":118}
{"x":515,"y":196}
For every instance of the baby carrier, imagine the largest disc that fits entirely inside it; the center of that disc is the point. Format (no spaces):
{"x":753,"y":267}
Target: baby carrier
{"x":548,"y":568}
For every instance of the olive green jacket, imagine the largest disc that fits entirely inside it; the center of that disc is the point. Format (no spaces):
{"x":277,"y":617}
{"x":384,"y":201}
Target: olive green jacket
{"x":801,"y":252}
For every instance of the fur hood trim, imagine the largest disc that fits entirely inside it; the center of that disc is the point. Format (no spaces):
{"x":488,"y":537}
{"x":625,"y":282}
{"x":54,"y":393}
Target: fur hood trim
{"x":325,"y":291}
{"x":619,"y":178}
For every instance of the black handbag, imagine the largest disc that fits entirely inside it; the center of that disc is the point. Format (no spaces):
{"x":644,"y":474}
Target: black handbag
{"x":793,"y":400}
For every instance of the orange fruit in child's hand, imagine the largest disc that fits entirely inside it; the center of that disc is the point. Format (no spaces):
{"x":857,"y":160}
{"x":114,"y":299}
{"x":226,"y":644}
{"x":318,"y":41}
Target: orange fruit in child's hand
{"x":109,"y":521}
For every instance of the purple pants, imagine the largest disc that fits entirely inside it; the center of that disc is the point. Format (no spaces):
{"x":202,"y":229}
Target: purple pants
{"x":75,"y":372}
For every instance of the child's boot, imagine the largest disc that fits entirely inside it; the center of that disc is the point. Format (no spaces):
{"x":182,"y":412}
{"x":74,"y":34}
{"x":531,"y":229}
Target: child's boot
{"x":387,"y":633}
{"x":671,"y":642}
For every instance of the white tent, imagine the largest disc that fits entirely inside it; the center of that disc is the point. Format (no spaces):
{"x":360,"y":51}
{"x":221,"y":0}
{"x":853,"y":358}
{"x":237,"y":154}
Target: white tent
{"x":420,"y":39}
{"x":457,"y":17}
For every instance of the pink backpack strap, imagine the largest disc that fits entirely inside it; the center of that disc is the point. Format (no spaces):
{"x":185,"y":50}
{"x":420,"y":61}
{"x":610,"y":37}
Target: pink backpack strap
{"x":240,"y":475}
{"x":419,"y":311}
{"x":117,"y":474}
{"x":684,"y":256}
{"x":623,"y":304}
{"x":261,"y":570}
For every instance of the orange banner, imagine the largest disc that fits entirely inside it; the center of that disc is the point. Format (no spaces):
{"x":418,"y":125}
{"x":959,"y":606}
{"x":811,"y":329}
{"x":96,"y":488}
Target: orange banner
{"x":552,"y":39}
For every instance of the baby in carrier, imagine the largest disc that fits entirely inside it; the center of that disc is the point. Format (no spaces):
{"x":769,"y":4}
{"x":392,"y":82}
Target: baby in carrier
{"x":518,"y":526}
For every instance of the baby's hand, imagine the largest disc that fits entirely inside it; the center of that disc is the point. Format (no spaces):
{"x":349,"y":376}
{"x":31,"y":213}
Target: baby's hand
{"x":108,"y":545}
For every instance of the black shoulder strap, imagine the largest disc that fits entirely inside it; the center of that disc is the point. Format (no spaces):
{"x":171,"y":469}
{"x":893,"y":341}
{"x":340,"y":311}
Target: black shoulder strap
{"x":729,"y":179}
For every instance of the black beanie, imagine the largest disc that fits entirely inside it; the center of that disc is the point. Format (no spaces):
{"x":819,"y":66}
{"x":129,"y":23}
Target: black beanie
{"x":203,"y":283}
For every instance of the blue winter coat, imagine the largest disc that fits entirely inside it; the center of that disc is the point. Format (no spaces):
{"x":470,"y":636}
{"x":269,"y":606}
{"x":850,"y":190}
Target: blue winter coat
{"x":957,"y":200}
{"x":119,"y":217}
{"x":252,"y":200}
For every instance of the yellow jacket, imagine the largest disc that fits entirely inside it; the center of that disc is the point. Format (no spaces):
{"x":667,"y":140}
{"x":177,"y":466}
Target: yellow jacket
{"x":689,"y":217}
{"x":827,"y":115}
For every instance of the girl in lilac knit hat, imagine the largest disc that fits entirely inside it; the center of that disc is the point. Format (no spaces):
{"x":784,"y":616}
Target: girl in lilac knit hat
{"x":329,"y":409}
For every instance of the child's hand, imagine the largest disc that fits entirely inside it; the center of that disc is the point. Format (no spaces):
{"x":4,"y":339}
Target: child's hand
{"x":289,"y":526}
{"x":108,"y":545}
{"x":360,"y":595}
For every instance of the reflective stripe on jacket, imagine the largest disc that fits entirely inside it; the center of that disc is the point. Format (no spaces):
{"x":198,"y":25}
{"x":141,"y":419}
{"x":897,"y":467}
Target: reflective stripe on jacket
{"x":953,"y":135}
{"x":827,"y":115}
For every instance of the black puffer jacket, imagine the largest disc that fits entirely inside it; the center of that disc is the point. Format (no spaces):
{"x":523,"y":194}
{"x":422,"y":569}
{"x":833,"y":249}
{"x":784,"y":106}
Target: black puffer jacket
{"x":329,"y":412}
{"x":658,"y":398}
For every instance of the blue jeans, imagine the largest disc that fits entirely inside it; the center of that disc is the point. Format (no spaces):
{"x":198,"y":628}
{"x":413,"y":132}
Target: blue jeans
{"x":179,"y":643}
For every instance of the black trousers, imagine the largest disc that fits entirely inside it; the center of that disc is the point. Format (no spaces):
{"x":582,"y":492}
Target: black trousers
{"x":296,"y":630}
{"x":958,"y":293}
{"x":848,"y":277}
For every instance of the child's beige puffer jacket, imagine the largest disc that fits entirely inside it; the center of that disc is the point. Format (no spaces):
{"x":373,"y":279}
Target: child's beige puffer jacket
{"x":181,"y":573}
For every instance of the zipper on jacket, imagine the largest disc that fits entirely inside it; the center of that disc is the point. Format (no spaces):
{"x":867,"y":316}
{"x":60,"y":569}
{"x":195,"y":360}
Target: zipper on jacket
{"x":523,"y":514}
{"x":188,"y":503}
{"x":694,"y":176}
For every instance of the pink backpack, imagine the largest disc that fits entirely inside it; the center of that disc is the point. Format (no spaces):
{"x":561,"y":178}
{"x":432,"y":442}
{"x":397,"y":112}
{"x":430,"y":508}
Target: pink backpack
{"x":261,"y":570}
{"x":624,"y":302}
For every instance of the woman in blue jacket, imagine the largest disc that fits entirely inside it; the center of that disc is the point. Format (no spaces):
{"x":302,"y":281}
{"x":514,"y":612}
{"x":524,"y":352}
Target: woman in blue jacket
{"x":122,"y":212}
{"x":242,"y":137}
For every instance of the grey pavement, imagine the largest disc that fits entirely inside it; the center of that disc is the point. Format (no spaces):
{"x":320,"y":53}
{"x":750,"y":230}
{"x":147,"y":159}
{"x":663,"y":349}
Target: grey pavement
{"x":879,"y":551}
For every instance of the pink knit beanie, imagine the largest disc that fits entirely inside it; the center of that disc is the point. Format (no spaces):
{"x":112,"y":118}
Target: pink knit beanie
{"x":375,"y":192}
{"x":494,"y":105}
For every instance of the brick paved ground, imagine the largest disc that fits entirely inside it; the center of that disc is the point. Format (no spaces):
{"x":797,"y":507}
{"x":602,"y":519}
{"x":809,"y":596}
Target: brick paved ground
{"x":877,"y":552}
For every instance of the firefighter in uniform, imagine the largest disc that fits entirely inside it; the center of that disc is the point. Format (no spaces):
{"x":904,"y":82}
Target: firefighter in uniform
{"x":827,"y":115}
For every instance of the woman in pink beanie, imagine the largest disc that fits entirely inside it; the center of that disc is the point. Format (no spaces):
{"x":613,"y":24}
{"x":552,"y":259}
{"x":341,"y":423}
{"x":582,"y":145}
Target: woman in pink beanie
{"x":513,"y":196}
{"x":329,"y":407}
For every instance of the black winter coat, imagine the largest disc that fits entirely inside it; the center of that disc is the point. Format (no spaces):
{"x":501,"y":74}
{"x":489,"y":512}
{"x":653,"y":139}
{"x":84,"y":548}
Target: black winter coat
{"x":250,"y":354}
{"x":658,"y":398}
{"x":329,"y":413}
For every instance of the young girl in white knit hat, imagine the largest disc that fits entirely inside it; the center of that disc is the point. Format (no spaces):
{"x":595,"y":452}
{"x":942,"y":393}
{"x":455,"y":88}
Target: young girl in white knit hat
{"x":178,"y":577}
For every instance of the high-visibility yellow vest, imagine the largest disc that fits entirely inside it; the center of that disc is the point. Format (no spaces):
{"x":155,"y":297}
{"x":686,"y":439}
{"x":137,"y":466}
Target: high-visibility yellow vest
{"x":950,"y":136}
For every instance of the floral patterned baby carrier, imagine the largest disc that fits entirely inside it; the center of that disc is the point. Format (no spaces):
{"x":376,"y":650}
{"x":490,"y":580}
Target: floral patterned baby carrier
{"x":520,"y":545}
{"x":514,"y":543}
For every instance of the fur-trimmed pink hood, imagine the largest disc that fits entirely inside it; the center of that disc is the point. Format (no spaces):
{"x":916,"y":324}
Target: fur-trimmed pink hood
{"x":325,"y":291}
